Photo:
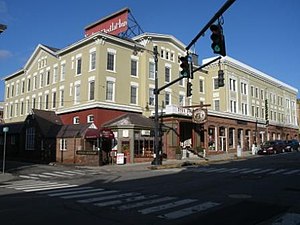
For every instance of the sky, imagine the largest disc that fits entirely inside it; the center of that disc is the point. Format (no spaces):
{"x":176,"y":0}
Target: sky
{"x":264,"y":34}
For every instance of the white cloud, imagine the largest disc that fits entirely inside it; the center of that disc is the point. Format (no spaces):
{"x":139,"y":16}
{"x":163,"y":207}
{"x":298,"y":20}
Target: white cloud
{"x":4,"y":54}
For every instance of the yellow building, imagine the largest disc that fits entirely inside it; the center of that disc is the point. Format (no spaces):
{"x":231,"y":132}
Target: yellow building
{"x":102,"y":76}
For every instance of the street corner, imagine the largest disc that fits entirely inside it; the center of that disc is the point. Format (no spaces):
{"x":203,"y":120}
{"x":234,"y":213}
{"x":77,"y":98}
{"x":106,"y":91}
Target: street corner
{"x":4,"y":177}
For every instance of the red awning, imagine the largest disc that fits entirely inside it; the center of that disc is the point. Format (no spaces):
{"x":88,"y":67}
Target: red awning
{"x":92,"y":134}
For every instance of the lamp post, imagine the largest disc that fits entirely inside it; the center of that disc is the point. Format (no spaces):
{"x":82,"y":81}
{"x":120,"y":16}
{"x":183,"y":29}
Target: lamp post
{"x":5,"y":130}
{"x":157,"y":152}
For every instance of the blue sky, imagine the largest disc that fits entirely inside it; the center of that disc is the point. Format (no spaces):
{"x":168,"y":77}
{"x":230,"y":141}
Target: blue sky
{"x":264,"y":34}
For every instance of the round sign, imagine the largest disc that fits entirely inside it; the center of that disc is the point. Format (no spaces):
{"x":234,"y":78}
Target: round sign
{"x":199,"y":115}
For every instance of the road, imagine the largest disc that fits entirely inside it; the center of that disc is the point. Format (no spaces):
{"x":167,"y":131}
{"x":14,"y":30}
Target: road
{"x":263,"y":190}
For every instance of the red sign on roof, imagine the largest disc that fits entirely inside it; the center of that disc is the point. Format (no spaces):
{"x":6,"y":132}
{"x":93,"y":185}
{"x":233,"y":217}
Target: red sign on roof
{"x":115,"y":24}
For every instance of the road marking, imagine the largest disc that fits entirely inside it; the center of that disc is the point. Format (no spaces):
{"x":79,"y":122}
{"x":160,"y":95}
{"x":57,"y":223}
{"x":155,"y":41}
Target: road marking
{"x":147,"y":202}
{"x":216,"y":170}
{"x":28,"y":177}
{"x":90,"y":200}
{"x":53,"y":174}
{"x":66,"y":190}
{"x":249,"y":171}
{"x":75,"y":172}
{"x":126,"y":200}
{"x":58,"y":186}
{"x":188,"y":211}
{"x":239,"y":170}
{"x":291,"y":172}
{"x":89,"y":194}
{"x":263,"y":171}
{"x":277,"y":171}
{"x":75,"y":192}
{"x":65,"y":173}
{"x":166,"y":206}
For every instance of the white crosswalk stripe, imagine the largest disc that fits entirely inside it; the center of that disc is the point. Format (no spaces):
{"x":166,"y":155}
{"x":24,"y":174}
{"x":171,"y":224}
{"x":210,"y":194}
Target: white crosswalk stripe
{"x":35,"y":185}
{"x":173,"y":207}
{"x":57,"y":174}
{"x":269,"y":171}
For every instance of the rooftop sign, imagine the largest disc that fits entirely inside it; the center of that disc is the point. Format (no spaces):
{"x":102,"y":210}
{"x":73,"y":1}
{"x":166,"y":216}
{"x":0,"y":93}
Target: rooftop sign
{"x":114,"y":24}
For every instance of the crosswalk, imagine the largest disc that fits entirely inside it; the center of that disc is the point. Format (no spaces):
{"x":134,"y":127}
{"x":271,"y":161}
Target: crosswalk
{"x":57,"y":174}
{"x":245,"y":171}
{"x":163,"y":207}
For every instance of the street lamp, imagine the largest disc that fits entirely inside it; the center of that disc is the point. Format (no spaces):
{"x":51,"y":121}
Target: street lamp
{"x":5,"y":130}
{"x":157,"y":151}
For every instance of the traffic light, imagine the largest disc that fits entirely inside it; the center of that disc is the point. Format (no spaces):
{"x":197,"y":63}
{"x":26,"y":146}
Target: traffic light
{"x":185,"y":72}
{"x":218,"y":40}
{"x":189,"y":89}
{"x":221,"y":78}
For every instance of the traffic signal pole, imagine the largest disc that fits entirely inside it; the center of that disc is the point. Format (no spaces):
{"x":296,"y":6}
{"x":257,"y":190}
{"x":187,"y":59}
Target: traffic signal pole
{"x":212,"y":20}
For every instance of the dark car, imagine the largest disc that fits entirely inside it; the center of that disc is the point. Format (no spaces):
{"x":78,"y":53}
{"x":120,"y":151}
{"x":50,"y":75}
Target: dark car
{"x":272,"y":147}
{"x":292,"y":145}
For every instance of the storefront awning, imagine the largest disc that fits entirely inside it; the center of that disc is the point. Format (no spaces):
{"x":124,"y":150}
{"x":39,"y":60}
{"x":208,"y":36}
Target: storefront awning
{"x":92,"y":134}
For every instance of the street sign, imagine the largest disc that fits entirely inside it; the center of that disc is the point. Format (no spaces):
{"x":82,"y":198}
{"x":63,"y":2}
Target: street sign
{"x":5,"y":129}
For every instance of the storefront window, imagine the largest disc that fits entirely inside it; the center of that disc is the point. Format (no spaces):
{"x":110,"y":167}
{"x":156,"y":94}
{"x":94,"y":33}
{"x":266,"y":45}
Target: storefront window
{"x":211,"y":138}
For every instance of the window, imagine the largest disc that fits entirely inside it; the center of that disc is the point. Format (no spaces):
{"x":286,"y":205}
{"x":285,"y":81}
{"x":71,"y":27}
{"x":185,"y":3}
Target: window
{"x":30,"y":137}
{"x":244,"y":109}
{"x":34,"y":82}
{"x":151,"y":70}
{"x":48,"y":77}
{"x":233,"y":106}
{"x":17,"y":89}
{"x":110,"y":61}
{"x":243,"y":88}
{"x":77,"y":94}
{"x":28,"y":84}
{"x":167,"y":98}
{"x":92,"y":90}
{"x":162,"y":53}
{"x":40,"y":102}
{"x":78,"y":66}
{"x":12,"y":90}
{"x":181,"y":100}
{"x":256,"y":92}
{"x":62,"y":72}
{"x":61,"y":98}
{"x":46,"y":101}
{"x":133,"y":94}
{"x":167,"y":74}
{"x":151,"y":96}
{"x":262,"y":94}
{"x":232,"y":84}
{"x":54,"y":74}
{"x":133,"y":71}
{"x":92,"y":60}
{"x":90,"y":118}
{"x":63,"y":144}
{"x":22,"y":108}
{"x":33,"y":102}
{"x":53,"y":99}
{"x":216,"y":84}
{"x":22,"y":87}
{"x":217,"y":105}
{"x":109,"y":90}
{"x":7,"y":92}
{"x":201,"y":86}
{"x":76,"y":120}
{"x":41,"y":80}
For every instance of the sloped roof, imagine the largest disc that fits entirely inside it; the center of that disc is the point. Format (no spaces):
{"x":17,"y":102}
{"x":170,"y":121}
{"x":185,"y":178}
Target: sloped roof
{"x":48,"y":122}
{"x":73,"y":130}
{"x":130,"y":119}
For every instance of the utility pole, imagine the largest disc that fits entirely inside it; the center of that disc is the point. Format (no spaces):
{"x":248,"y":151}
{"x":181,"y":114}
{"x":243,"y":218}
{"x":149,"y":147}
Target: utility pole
{"x":157,"y":150}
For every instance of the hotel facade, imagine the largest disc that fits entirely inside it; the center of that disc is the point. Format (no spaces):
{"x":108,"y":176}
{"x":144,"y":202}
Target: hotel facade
{"x":102,"y":77}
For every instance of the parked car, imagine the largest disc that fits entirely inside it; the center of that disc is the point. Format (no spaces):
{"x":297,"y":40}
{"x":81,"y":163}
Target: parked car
{"x":272,"y":147}
{"x":292,"y":145}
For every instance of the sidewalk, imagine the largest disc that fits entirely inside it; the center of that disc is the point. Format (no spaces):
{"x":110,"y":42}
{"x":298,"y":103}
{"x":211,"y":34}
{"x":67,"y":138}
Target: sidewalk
{"x":170,"y":163}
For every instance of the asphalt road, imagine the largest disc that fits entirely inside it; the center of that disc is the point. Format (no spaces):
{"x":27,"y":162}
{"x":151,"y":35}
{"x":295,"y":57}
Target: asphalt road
{"x":263,"y":191}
